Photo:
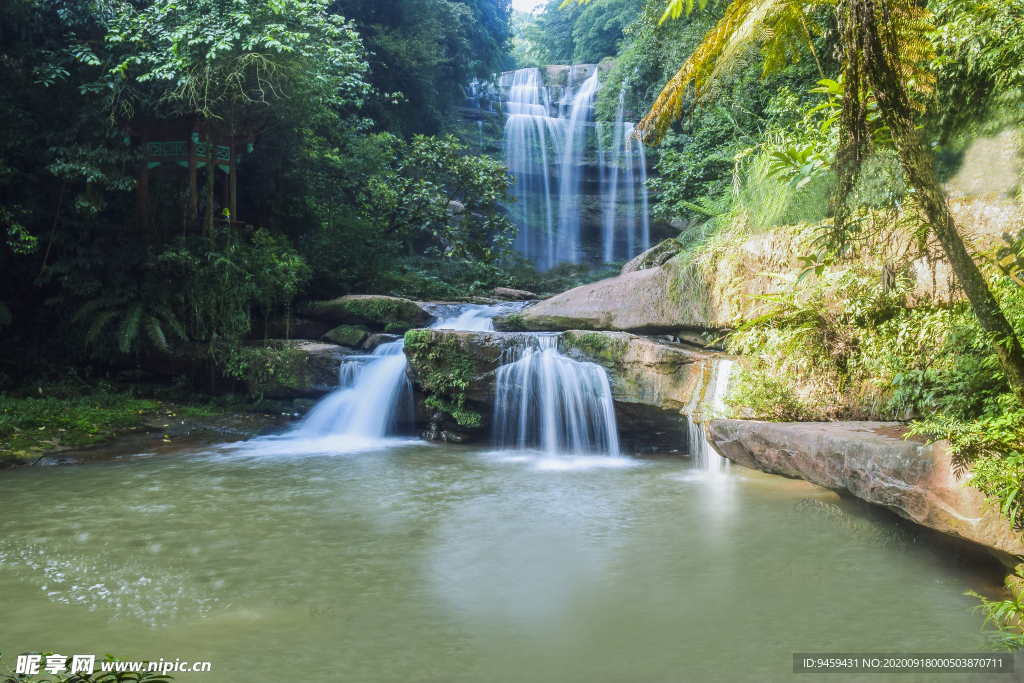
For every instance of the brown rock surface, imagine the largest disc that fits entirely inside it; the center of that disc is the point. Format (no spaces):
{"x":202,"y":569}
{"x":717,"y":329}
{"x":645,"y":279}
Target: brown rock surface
{"x":914,"y":480}
{"x":513,"y":294}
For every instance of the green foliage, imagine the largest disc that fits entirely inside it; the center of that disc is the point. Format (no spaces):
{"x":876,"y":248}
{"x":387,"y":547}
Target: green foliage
{"x":978,"y":65}
{"x":445,"y":372}
{"x":98,"y":676}
{"x":1006,"y":617}
{"x":30,"y":425}
{"x":233,"y":60}
{"x":423,"y":54}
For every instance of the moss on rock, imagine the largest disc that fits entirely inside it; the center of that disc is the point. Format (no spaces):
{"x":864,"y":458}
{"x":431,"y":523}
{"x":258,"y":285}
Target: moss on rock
{"x":377,"y":311}
{"x":444,"y":371}
{"x":347,"y":335}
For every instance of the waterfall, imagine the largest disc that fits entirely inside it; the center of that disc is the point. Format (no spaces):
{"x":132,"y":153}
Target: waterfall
{"x":374,"y":396}
{"x":571,"y":172}
{"x":376,"y":402}
{"x":611,"y":192}
{"x":549,"y":138}
{"x":547,"y":400}
{"x":532,"y":139}
{"x":700,"y":450}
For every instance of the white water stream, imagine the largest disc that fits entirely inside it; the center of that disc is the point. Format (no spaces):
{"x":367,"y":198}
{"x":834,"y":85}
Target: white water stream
{"x":554,"y":152}
{"x":546,"y":399}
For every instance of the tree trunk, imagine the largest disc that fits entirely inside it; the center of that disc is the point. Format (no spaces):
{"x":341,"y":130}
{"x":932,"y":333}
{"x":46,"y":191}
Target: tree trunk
{"x":894,"y":105}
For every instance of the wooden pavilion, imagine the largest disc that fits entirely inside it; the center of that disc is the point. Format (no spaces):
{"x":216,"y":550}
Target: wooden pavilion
{"x":179,"y":148}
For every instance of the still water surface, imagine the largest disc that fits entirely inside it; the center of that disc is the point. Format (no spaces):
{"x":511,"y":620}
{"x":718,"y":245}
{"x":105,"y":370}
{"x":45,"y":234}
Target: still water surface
{"x":415,"y":562}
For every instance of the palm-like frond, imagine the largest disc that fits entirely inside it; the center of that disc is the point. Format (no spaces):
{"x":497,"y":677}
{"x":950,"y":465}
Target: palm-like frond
{"x":780,"y":26}
{"x":129,"y":329}
{"x":5,"y":314}
{"x":98,"y":323}
{"x":156,"y":333}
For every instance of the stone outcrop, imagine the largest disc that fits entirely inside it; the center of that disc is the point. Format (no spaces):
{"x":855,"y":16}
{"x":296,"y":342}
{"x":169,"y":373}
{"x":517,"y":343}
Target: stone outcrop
{"x":372,"y":310}
{"x":647,"y":301}
{"x":869,"y":461}
{"x":289,"y":369}
{"x":654,"y":257}
{"x":513,"y":294}
{"x":642,"y":370}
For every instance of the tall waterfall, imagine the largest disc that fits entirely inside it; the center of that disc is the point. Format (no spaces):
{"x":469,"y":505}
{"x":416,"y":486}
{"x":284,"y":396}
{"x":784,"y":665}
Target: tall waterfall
{"x":553,"y":150}
{"x":547,"y":400}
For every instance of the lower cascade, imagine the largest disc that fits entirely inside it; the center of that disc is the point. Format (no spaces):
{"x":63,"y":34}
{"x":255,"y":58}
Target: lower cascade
{"x":374,"y":398}
{"x":545,"y":399}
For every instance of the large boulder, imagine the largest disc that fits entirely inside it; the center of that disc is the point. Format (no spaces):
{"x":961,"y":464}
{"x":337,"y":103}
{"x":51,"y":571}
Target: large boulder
{"x":644,"y":371}
{"x":650,"y":301}
{"x":370,"y":309}
{"x":289,"y":369}
{"x":869,"y":461}
{"x":654,"y":257}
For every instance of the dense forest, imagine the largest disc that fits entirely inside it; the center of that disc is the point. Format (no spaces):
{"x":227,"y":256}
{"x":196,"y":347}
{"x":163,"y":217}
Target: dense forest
{"x":322,"y":150}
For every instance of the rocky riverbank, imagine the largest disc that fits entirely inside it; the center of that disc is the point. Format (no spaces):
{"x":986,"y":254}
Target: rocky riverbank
{"x":871,"y":460}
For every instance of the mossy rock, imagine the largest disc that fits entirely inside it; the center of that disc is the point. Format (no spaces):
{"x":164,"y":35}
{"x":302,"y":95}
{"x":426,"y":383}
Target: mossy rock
{"x":445,"y":371}
{"x":347,"y":335}
{"x":368,"y":309}
{"x":397,"y":328}
{"x":288,"y":369}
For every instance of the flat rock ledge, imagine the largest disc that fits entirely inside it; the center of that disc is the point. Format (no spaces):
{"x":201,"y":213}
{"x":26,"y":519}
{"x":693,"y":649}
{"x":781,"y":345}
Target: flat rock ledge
{"x":912,"y":479}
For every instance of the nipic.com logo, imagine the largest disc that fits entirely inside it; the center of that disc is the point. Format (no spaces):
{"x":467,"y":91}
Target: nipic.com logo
{"x":33,"y":664}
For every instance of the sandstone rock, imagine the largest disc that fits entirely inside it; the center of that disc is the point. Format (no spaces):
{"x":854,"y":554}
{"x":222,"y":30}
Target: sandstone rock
{"x":368,"y":309}
{"x":513,"y":294}
{"x":646,"y":301}
{"x":914,"y":480}
{"x":654,"y":257}
{"x":290,"y":369}
{"x":641,"y":370}
{"x":347,"y":335}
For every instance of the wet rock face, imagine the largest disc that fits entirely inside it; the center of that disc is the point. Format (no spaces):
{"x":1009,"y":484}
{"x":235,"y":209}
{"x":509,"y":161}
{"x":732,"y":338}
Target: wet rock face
{"x":914,"y":480}
{"x":376,"y":311}
{"x":651,"y":381}
{"x":642,"y":371}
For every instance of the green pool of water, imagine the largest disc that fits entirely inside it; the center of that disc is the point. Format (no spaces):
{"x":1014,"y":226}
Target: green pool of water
{"x":431,"y":563}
